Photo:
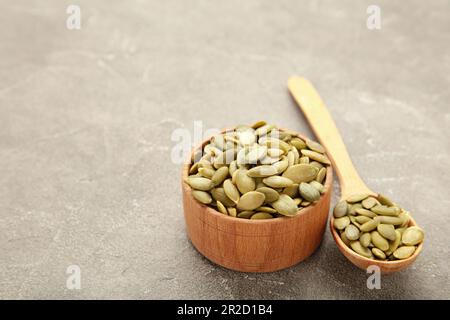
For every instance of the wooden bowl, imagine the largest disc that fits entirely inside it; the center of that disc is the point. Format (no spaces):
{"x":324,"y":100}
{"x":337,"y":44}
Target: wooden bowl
{"x":255,"y":245}
{"x":361,"y":262}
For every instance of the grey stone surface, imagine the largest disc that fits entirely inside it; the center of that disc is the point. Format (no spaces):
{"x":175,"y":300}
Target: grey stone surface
{"x":86,"y":119}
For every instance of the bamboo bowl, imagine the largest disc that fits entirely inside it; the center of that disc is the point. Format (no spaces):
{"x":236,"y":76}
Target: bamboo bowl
{"x":254,"y":245}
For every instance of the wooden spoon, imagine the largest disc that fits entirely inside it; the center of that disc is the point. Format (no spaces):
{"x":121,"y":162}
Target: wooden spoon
{"x":351,"y":183}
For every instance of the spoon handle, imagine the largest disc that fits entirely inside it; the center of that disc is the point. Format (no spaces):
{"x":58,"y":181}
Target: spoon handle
{"x":325,"y":129}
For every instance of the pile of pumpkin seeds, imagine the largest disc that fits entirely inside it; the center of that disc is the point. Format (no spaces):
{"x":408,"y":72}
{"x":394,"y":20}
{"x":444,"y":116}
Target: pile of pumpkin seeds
{"x":259,"y":172}
{"x":376,"y":228}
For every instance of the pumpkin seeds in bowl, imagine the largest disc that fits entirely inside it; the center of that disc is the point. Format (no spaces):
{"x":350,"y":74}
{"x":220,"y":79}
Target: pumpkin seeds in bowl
{"x":376,"y":227}
{"x":259,"y":172}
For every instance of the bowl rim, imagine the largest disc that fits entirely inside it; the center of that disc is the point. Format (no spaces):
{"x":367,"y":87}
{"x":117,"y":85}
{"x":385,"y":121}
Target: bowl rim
{"x":342,"y":246}
{"x":185,"y":173}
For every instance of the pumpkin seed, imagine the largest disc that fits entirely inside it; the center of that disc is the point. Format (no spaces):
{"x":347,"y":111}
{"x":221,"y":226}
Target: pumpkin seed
{"x":357,"y":197}
{"x":369,"y":202}
{"x":362,"y":219}
{"x":412,"y":236}
{"x":202,"y":196}
{"x":369,"y":225}
{"x":404,"y":252}
{"x":292,"y":190}
{"x":344,"y":239}
{"x":379,"y":241}
{"x":245,"y":214}
{"x":393,"y":245}
{"x":315,"y":146}
{"x":261,"y":215}
{"x":386,"y":211}
{"x":308,"y":192}
{"x":303,"y":160}
{"x":365,"y":239}
{"x":321,"y":175}
{"x":232,"y":212}
{"x":278,"y":182}
{"x":219,"y":194}
{"x":387,"y":231}
{"x":341,"y":223}
{"x":230,"y":190}
{"x":285,"y":205}
{"x":266,"y":209}
{"x":396,"y":221}
{"x":222,"y":208}
{"x":316,"y":156}
{"x":200,"y":183}
{"x":301,"y":173}
{"x":366,"y":213}
{"x":206,"y":172}
{"x":275,"y":153}
{"x":378,"y":253}
{"x":251,"y":200}
{"x":262,"y":171}
{"x":358,"y":248}
{"x":351,"y":232}
{"x":259,"y":124}
{"x":219,"y":176}
{"x":318,"y":186}
{"x":297,"y":201}
{"x":385,"y":200}
{"x":298,"y":143}
{"x":340,"y":209}
{"x":255,"y":154}
{"x":271,"y":194}
{"x":244,"y":182}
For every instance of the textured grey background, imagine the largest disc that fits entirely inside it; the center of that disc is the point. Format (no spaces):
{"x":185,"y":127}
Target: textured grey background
{"x":85,"y":136}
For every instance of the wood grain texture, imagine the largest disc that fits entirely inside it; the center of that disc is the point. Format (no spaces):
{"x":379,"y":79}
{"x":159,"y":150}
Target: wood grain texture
{"x":255,"y":245}
{"x":351,"y":183}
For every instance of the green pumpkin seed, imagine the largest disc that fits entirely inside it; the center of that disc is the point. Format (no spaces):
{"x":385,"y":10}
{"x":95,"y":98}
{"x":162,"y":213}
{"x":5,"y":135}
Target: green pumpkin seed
{"x":359,"y":249}
{"x":362,"y":219}
{"x":224,"y":158}
{"x":255,"y":154}
{"x":258,"y":124}
{"x":378,"y":241}
{"x":222,"y":208}
{"x":232,"y":212}
{"x":219,"y":194}
{"x":393,"y":245}
{"x":316,"y":164}
{"x":262,"y":171}
{"x":301,"y":173}
{"x":341,"y":223}
{"x":233,"y":167}
{"x":319,"y":187}
{"x":357,"y":197}
{"x":378,"y":253}
{"x":387,"y":231}
{"x":412,"y":236}
{"x":266,"y":209}
{"x":202,"y":196}
{"x":230,"y":190}
{"x":251,"y":200}
{"x":353,"y":207}
{"x":244,"y":182}
{"x":351,"y":232}
{"x":292,"y":190}
{"x":308,"y":192}
{"x":405,"y":218}
{"x":290,"y":158}
{"x":298,"y":143}
{"x":265,"y":129}
{"x":369,"y":202}
{"x":245,"y":214}
{"x":193,"y":169}
{"x":365,"y":239}
{"x":247,"y":137}
{"x":200,"y":183}
{"x":271,"y":194}
{"x":369,"y":225}
{"x":303,"y":160}
{"x":396,"y":221}
{"x":366,"y":213}
{"x":275,"y":143}
{"x":386,"y":211}
{"x":340,"y":209}
{"x":285,"y":205}
{"x":404,"y":252}
{"x":344,"y":239}
{"x":315,"y":146}
{"x":261,"y":215}
{"x":206,"y":172}
{"x":278,"y":182}
{"x":219,"y":176}
{"x":353,"y":220}
{"x":275,"y":153}
{"x":321,"y":175}
{"x":281,"y":166}
{"x":385,"y":200}
{"x":316,"y":156}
